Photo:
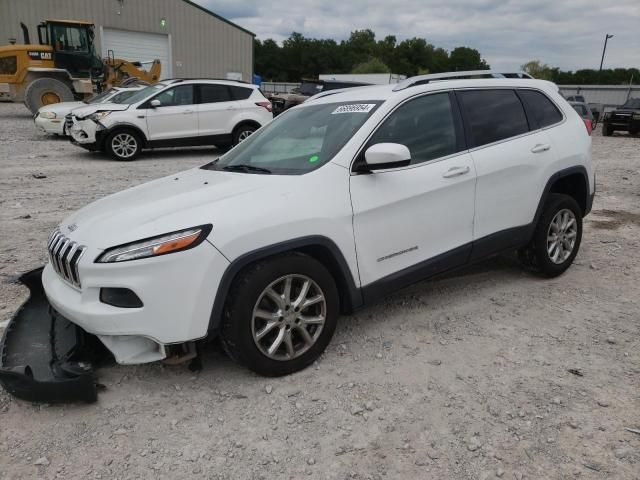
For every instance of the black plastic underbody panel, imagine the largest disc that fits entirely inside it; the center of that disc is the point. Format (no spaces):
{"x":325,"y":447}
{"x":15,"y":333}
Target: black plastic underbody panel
{"x":43,"y":356}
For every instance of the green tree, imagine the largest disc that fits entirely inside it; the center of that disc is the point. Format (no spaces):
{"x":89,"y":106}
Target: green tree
{"x":537,"y":69}
{"x":374,"y":65}
{"x":465,"y":58}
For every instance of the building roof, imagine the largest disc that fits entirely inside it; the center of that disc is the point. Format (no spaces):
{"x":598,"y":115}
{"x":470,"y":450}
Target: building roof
{"x":200,"y":7}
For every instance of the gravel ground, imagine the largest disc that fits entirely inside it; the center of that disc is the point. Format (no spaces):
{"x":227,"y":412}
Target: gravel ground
{"x":465,"y":377}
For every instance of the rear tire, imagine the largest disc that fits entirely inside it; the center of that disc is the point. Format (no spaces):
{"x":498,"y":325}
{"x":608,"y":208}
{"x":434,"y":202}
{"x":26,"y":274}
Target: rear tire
{"x":46,"y":91}
{"x":123,"y":145}
{"x":242,"y":133}
{"x":557,"y":237}
{"x":254,"y":323}
{"x":607,"y":131}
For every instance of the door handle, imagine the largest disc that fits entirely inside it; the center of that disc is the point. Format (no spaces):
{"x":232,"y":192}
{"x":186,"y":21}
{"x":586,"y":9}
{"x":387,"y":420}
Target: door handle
{"x":455,"y":172}
{"x":187,"y":112}
{"x":541,"y":147}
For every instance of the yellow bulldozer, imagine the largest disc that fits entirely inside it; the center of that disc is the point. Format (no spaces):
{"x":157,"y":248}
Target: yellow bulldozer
{"x":63,"y":66}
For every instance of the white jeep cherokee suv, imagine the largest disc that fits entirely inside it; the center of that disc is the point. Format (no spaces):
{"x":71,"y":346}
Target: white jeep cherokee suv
{"x":334,"y":204}
{"x":173,"y":113}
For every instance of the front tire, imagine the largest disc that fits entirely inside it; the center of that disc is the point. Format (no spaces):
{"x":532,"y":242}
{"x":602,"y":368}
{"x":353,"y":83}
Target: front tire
{"x":280,"y":315}
{"x":557,"y":237}
{"x":46,"y":91}
{"x":607,"y":131}
{"x":124,"y":145}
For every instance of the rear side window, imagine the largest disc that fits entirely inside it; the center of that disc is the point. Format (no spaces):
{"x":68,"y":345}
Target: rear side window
{"x":424,"y":125}
{"x":543,"y":109}
{"x":213,"y":93}
{"x":240,"y":93}
{"x":493,"y":115}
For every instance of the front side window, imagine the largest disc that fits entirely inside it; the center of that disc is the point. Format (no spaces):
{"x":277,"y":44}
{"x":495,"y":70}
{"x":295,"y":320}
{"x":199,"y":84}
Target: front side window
{"x":425,"y":125}
{"x":180,"y":95}
{"x":214,"y":93}
{"x":298,"y":141}
{"x":70,"y":39}
{"x":543,"y":109}
{"x":493,"y":115}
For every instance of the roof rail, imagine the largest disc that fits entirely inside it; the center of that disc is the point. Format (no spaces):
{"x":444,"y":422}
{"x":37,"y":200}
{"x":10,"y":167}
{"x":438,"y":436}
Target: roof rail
{"x":184,"y":79}
{"x":424,"y":79}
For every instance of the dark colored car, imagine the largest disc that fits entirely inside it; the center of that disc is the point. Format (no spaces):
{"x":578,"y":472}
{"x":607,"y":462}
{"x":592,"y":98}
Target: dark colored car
{"x":308,"y":88}
{"x":625,"y":118}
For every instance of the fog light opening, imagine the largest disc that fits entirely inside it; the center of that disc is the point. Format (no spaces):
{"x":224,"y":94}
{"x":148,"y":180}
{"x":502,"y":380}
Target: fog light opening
{"x":120,"y":297}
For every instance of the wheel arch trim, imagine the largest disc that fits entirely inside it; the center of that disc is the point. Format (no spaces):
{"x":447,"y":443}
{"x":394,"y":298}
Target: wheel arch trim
{"x":578,"y":169}
{"x":347,"y":288}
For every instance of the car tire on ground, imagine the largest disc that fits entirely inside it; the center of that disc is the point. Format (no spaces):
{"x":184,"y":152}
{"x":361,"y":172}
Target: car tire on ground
{"x":46,"y":91}
{"x":607,"y":131}
{"x":557,"y":237}
{"x":242,"y":133}
{"x":280,"y":314}
{"x":123,"y":144}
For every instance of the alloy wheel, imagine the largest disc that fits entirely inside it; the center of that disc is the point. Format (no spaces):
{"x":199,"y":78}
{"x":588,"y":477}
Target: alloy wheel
{"x":244,"y":135}
{"x":124,"y":145}
{"x":288,"y":317}
{"x":561,"y":236}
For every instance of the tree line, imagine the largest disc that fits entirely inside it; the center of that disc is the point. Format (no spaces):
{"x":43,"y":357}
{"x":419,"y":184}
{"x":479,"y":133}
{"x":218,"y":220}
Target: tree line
{"x":588,"y":76}
{"x":302,"y":57}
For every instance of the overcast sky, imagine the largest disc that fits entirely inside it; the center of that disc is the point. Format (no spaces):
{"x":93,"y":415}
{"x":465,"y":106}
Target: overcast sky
{"x":565,"y":33}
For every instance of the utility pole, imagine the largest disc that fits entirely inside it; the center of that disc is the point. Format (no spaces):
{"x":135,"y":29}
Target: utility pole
{"x":606,"y":39}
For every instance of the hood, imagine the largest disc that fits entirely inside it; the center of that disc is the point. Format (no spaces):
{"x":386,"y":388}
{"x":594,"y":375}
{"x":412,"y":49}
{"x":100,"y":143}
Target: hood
{"x":62,"y":108}
{"x":99,"y":107}
{"x":183,"y":200}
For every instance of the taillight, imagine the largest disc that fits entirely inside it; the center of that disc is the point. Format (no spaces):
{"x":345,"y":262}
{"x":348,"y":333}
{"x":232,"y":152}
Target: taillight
{"x":266,"y":105}
{"x":587,"y":123}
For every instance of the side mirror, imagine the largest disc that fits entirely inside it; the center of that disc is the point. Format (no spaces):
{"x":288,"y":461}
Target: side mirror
{"x":155,"y":103}
{"x":387,"y":155}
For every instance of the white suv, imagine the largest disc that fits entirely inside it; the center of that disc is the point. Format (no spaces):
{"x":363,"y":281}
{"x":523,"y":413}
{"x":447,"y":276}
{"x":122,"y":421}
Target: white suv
{"x":331,"y":206}
{"x":173,"y":113}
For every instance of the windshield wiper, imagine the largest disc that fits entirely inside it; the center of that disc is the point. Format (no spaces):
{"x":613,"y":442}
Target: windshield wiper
{"x":246,"y":168}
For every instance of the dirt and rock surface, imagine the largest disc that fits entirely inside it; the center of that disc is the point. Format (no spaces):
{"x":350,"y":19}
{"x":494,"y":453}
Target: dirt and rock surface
{"x":466,"y":377}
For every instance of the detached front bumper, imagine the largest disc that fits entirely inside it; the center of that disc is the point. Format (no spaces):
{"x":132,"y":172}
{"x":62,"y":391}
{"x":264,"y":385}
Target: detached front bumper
{"x":43,"y":356}
{"x":50,"y":125}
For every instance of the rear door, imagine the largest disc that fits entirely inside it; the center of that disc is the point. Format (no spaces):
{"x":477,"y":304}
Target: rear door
{"x":215,"y":111}
{"x":511,"y":155}
{"x":413,"y":221}
{"x":175,"y":121}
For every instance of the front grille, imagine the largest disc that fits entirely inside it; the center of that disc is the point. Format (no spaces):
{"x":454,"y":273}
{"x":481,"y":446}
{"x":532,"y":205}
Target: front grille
{"x":68,"y":122}
{"x":64,"y":255}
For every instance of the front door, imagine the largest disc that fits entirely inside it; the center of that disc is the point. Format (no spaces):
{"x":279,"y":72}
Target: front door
{"x":175,"y":120}
{"x":415,"y":221}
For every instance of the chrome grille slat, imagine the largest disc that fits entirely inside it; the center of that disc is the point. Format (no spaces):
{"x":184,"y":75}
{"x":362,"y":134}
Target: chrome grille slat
{"x":65,"y":254}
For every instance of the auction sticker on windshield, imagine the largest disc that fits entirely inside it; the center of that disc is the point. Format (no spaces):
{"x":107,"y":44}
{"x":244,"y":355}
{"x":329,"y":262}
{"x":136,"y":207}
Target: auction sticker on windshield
{"x":354,"y":108}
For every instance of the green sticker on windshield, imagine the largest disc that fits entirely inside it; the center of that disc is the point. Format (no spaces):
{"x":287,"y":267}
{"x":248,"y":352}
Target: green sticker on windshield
{"x":313,"y":158}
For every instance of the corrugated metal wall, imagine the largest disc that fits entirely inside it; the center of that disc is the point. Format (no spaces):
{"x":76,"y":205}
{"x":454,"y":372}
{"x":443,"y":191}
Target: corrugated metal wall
{"x":202,"y":45}
{"x":608,"y":95}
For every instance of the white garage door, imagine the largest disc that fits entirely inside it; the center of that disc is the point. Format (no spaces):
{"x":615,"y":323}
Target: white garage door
{"x":138,"y":46}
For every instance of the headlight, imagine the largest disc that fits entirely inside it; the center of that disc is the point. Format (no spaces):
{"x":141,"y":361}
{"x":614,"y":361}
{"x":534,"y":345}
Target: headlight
{"x":49,"y":115}
{"x":156,"y":246}
{"x":98,"y":116}
{"x":636,"y":116}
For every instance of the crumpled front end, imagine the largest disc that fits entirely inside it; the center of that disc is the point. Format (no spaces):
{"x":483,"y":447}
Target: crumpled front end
{"x":46,"y":358}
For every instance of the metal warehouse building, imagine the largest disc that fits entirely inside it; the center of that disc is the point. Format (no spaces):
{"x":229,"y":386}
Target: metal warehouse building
{"x":189,"y":40}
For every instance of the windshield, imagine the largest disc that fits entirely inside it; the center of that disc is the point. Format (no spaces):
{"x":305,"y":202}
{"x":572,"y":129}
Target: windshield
{"x":309,"y":88}
{"x":632,"y":103}
{"x":124,"y":97}
{"x":298,"y":141}
{"x":145,"y":93}
{"x":101,"y":97}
